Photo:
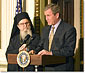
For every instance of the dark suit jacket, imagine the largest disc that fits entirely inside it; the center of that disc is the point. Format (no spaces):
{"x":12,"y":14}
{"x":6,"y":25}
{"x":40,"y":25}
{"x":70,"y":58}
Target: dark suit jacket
{"x":63,"y":44}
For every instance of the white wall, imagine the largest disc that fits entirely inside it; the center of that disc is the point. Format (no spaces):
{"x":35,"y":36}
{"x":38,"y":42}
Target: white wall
{"x":7,"y":16}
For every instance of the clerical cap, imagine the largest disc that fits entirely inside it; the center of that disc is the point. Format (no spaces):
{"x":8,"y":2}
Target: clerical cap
{"x":17,"y":18}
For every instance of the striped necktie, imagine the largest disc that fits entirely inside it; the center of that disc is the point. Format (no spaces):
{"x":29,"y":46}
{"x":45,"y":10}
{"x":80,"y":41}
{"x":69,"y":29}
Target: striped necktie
{"x":51,"y":37}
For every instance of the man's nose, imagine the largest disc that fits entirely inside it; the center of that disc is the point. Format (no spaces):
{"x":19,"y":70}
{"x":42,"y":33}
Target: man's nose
{"x":25,"y":24}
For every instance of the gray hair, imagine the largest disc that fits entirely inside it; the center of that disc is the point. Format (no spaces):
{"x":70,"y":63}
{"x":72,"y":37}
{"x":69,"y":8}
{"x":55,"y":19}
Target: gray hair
{"x":54,"y":7}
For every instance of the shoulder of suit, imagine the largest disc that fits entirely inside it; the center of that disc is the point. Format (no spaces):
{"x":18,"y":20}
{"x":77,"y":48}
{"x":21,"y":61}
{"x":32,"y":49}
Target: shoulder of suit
{"x":66,"y":25}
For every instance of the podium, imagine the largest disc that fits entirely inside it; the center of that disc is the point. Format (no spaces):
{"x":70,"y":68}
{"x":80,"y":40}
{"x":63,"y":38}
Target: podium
{"x":39,"y":60}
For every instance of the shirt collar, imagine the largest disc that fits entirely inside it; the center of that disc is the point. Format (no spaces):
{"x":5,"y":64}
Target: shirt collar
{"x":56,"y":25}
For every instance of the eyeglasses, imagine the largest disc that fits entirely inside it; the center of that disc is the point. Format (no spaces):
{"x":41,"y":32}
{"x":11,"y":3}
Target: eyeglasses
{"x":24,"y":23}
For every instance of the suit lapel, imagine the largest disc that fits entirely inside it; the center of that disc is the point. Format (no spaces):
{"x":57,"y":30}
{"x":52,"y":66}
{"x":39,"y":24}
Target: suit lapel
{"x":59,"y":30}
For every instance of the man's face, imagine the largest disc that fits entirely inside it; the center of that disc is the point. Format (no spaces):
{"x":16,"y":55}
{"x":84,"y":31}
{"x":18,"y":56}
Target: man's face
{"x":25,"y":28}
{"x":23,"y":25}
{"x":50,"y":17}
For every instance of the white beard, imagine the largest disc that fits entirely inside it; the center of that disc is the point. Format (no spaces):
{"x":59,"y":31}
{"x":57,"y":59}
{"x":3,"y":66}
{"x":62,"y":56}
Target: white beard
{"x":23,"y":34}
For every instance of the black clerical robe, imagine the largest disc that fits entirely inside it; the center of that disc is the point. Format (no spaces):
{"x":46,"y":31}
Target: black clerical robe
{"x":13,"y":48}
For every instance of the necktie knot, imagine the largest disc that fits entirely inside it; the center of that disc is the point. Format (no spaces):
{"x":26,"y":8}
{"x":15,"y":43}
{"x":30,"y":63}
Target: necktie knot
{"x":53,"y":27}
{"x":52,"y":31}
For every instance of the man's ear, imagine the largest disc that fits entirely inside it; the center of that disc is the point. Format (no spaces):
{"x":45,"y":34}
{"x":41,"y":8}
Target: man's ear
{"x":18,"y":26}
{"x":57,"y":15}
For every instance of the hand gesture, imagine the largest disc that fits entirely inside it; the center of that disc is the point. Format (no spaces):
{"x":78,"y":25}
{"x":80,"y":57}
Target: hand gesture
{"x":44,"y":52}
{"x":31,"y":52}
{"x":23,"y":48}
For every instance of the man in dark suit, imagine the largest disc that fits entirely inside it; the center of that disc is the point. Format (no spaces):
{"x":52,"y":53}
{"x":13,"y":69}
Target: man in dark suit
{"x":64,"y":39}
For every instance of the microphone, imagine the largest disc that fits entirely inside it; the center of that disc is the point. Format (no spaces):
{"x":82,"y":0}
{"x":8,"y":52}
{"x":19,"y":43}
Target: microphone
{"x":26,"y":38}
{"x":30,"y":40}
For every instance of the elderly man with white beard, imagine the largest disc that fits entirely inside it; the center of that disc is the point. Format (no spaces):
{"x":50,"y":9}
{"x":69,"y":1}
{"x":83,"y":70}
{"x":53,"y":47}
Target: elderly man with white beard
{"x":21,"y":28}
